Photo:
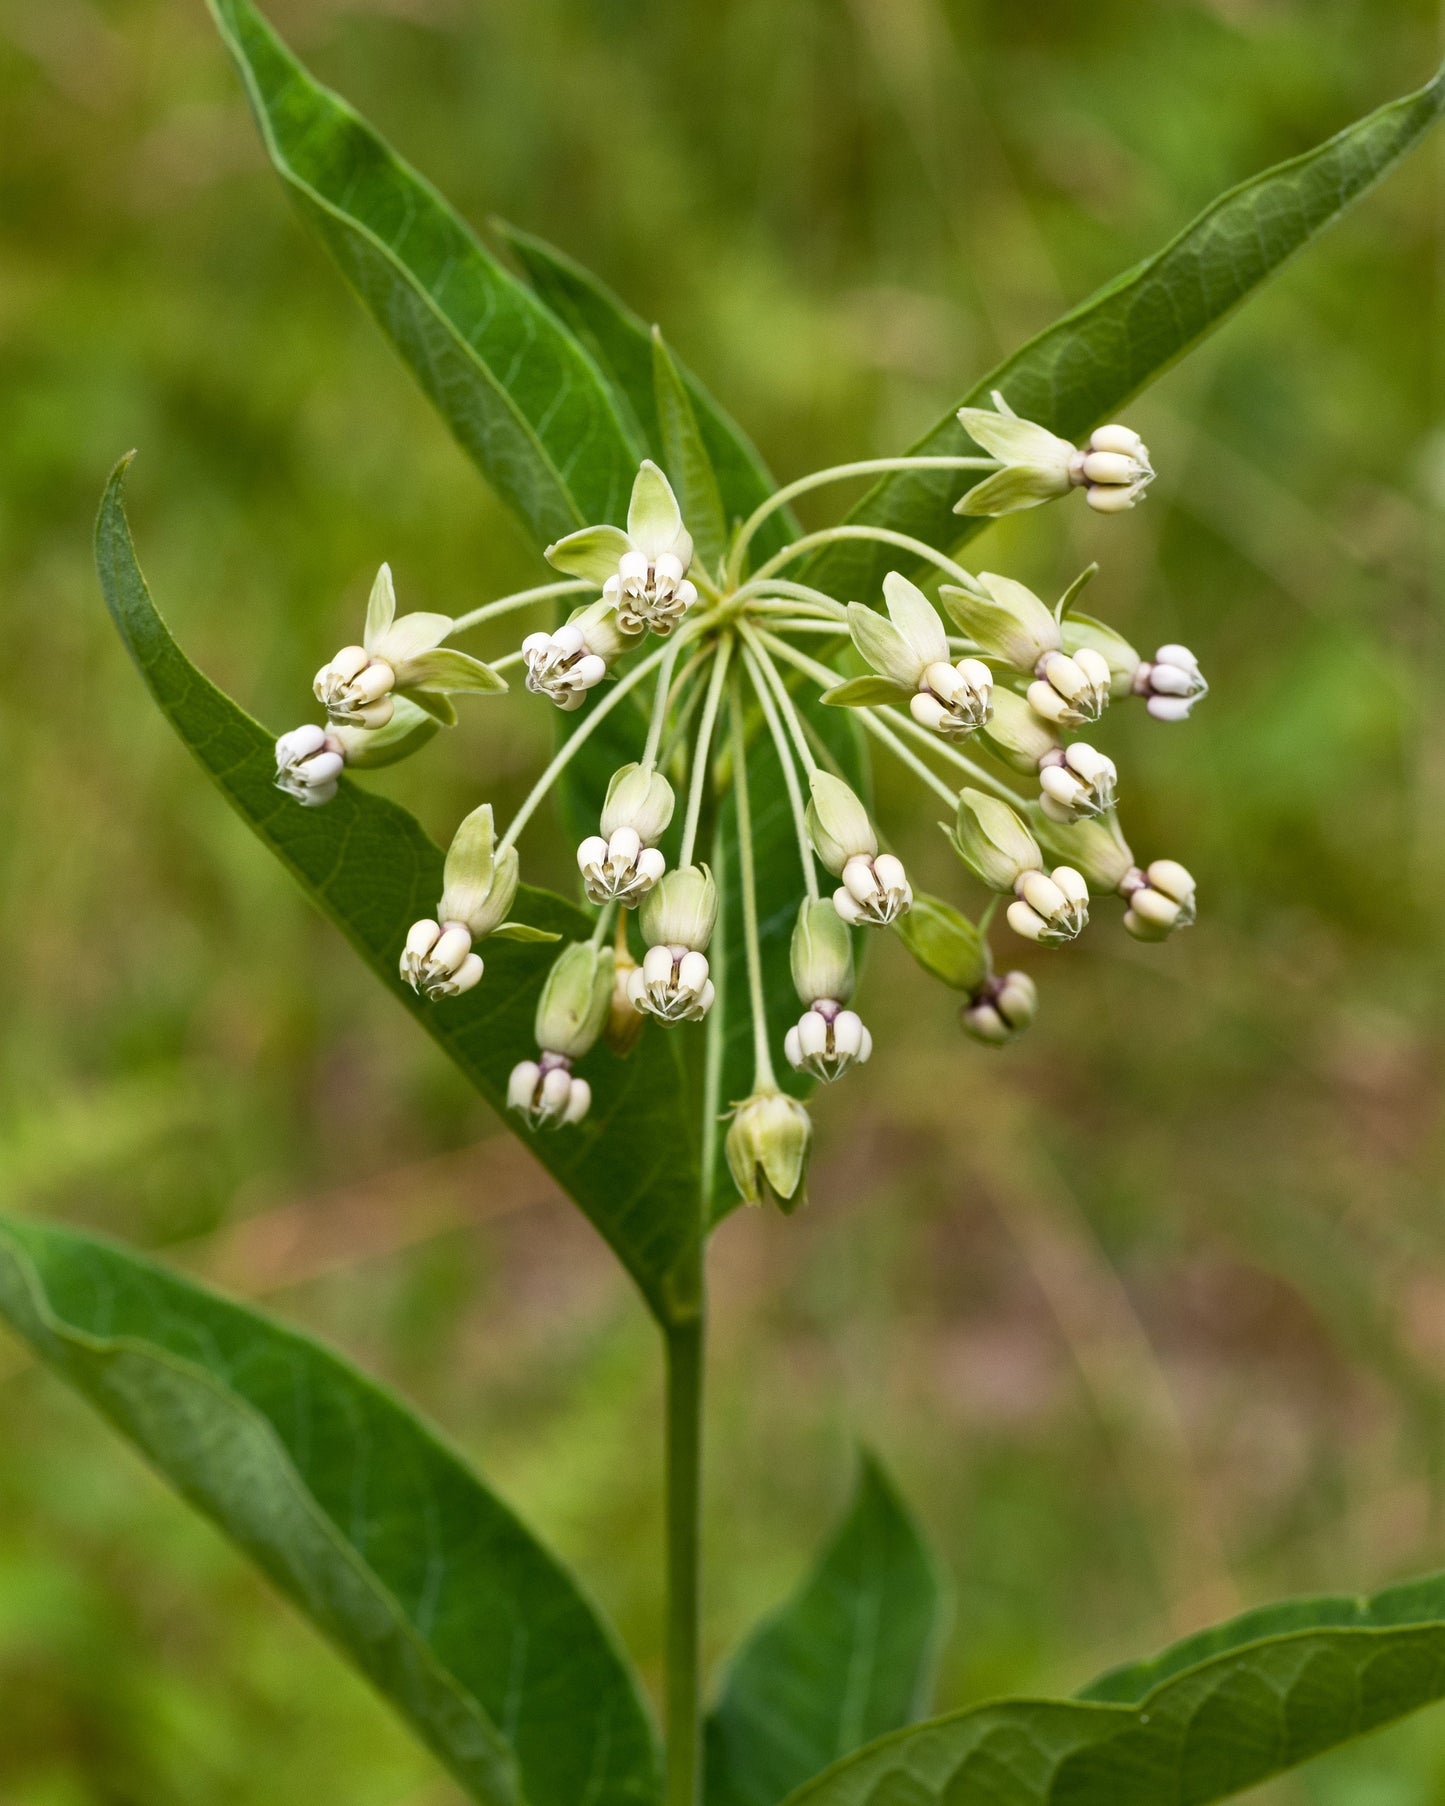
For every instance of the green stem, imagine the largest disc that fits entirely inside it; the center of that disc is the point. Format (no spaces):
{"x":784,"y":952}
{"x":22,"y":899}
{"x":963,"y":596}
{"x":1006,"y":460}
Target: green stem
{"x":764,"y":1078}
{"x":659,"y":706}
{"x":880,"y":535}
{"x":524,"y":598}
{"x":837,"y":473}
{"x":754,"y":661}
{"x":685,"y":1342}
{"x":704,"y":742}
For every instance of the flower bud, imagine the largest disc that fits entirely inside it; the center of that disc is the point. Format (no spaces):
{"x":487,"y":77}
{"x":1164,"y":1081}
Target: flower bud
{"x":638,"y":798}
{"x":944,"y":942}
{"x":1052,"y":909}
{"x":1017,"y":734}
{"x":1076,"y":782}
{"x":1001,"y":1008}
{"x":1008,"y":621}
{"x":479,"y":885}
{"x":992,"y":841}
{"x":672,"y":983}
{"x":1094,"y":847}
{"x":874,"y":892}
{"x":1160,"y":898}
{"x":767,"y":1149}
{"x":624,"y":1024}
{"x":309,"y":762}
{"x":822,"y":954}
{"x":838,"y":824}
{"x":546,"y":1093}
{"x":826,"y":1040}
{"x":681,"y":909}
{"x":1071,"y":690}
{"x":575,"y":1000}
{"x":437,"y":960}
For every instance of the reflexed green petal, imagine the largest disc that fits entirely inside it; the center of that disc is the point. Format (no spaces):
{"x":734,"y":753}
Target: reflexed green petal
{"x":654,"y":519}
{"x":380,"y":609}
{"x":916,"y":619}
{"x":884,"y":646}
{"x":864,"y":693}
{"x":1015,"y":441}
{"x":412,"y":634}
{"x":1008,"y":491}
{"x":446,"y":669}
{"x":591,"y":553}
{"x":521,"y":931}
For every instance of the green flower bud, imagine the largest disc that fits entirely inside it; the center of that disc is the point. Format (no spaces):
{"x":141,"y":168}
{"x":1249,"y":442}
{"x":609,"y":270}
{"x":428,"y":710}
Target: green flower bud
{"x":838,"y":824}
{"x":681,"y":909}
{"x":1017,"y":733}
{"x":1007,"y":622}
{"x":1094,"y":847}
{"x":822,"y":954}
{"x":478,"y":885}
{"x":767,"y":1149}
{"x":637,"y":799}
{"x":575,"y":1000}
{"x":1084,"y":633}
{"x":993,"y":842}
{"x":944,"y":942}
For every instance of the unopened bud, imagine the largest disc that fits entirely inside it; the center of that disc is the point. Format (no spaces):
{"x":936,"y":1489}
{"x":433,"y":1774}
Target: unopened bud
{"x":822,"y":954}
{"x":575,"y":999}
{"x":767,"y":1149}
{"x":681,"y":909}
{"x":638,"y":798}
{"x":944,"y":942}
{"x":992,"y":841}
{"x":1007,"y":621}
{"x":838,"y":824}
{"x":1001,"y":1008}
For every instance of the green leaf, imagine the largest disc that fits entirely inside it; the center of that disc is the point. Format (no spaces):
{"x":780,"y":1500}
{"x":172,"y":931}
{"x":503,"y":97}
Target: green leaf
{"x":522,"y":397}
{"x":847,"y":1658}
{"x":1215,"y":1715}
{"x":621,"y":345}
{"x":1083,"y":368}
{"x":863,"y":693}
{"x":368,"y":866}
{"x":685,"y":458}
{"x":357,"y":1511}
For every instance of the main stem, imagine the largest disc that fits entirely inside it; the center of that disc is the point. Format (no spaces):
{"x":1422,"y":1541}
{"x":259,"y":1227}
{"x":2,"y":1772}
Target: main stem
{"x":685,"y":1342}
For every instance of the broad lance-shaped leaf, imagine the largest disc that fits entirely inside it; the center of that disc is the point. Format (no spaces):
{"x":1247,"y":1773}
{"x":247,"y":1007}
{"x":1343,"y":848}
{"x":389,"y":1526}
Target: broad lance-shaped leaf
{"x":621,"y":346}
{"x":358,"y":1512}
{"x":1083,"y":368}
{"x":1215,"y":1715}
{"x":847,"y":1658}
{"x":367,"y":865}
{"x":517,"y":390}
{"x":685,"y":458}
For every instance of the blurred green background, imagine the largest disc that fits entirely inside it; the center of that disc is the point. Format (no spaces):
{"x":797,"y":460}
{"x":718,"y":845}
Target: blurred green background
{"x":1148,"y":1313}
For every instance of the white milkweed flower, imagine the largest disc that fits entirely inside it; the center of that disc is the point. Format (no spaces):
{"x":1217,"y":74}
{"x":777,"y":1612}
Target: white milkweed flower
{"x":622,"y":863}
{"x":1071,"y":689}
{"x":571,"y":1012}
{"x":574,"y":658}
{"x":1077,"y":781}
{"x":404,"y":656}
{"x":827,"y":1040}
{"x":1008,"y":621}
{"x":767,"y":1149}
{"x":1001,"y":1009}
{"x":309,"y":762}
{"x":478,"y":888}
{"x":1113,"y":468}
{"x":910,"y":654}
{"x":678,"y":917}
{"x":874,"y":889}
{"x":1171,"y":682}
{"x":995,"y":844}
{"x":642,"y":572}
{"x":1160,"y":898}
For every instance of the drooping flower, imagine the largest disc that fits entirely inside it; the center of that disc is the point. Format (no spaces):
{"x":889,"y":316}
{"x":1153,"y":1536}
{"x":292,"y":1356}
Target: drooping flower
{"x":874,"y":889}
{"x":571,"y":1012}
{"x":995,"y":844}
{"x":1113,"y":468}
{"x":767,"y":1149}
{"x":1171,"y":682}
{"x":621,"y":863}
{"x":678,"y":916}
{"x":828,"y":1038}
{"x":910,"y":654}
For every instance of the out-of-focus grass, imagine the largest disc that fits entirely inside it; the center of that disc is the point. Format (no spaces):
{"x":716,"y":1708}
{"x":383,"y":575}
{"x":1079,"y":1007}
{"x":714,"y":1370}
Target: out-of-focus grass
{"x":1147,"y":1313}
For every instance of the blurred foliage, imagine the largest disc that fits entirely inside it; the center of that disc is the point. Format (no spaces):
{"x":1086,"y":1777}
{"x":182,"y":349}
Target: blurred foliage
{"x":1148,"y":1314}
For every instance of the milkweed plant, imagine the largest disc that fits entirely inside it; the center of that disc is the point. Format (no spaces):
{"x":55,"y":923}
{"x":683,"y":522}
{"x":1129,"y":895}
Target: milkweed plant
{"x":719,"y":679}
